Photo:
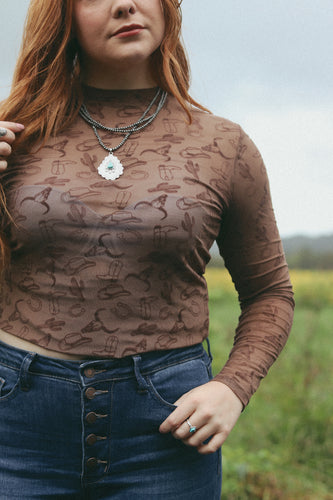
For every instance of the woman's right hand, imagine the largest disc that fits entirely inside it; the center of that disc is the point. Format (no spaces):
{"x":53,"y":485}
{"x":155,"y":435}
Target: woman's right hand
{"x":8,"y":131}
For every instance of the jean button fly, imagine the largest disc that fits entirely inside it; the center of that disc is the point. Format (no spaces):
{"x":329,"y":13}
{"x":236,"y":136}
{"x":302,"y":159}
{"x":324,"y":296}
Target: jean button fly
{"x":89,"y":372}
{"x":92,"y":463}
{"x":91,"y":439}
{"x":91,"y":417}
{"x":90,"y":393}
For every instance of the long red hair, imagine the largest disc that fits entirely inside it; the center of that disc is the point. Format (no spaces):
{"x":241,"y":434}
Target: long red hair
{"x":46,"y":91}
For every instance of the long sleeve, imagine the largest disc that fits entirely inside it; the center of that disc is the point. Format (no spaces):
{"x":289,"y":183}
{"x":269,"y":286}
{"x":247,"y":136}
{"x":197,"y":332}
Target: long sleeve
{"x":112,"y":269}
{"x":251,"y":247}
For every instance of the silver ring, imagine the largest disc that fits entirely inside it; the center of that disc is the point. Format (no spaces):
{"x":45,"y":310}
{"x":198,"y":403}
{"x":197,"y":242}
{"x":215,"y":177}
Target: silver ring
{"x":192,"y":427}
{"x":3,"y":132}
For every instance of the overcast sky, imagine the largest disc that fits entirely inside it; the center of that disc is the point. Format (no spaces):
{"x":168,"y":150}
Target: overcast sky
{"x":265,"y":65}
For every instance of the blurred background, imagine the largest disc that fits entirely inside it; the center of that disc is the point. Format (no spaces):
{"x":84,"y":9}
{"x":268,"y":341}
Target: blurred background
{"x":268,"y":66}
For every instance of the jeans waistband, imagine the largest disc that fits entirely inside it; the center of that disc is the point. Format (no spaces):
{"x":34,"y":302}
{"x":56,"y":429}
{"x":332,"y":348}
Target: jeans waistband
{"x":116,"y":368}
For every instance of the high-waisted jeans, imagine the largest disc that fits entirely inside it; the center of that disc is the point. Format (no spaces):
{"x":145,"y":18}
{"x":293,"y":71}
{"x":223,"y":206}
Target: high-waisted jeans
{"x":89,"y":429}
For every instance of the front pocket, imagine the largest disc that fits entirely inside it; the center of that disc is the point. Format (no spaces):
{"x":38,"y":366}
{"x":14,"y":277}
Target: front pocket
{"x":169,"y":384}
{"x":9,"y":382}
{"x":2,"y":383}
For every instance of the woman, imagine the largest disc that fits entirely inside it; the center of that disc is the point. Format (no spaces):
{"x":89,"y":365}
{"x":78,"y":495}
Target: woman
{"x":104,"y":304}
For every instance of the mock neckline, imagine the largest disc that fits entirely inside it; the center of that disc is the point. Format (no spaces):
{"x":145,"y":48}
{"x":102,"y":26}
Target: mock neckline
{"x":97,"y":94}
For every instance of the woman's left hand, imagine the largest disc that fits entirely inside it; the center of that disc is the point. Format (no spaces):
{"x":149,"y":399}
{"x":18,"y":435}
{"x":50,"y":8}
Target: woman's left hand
{"x":212,"y":408}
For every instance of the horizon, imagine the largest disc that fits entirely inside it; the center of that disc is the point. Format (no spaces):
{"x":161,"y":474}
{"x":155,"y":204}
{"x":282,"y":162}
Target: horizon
{"x":308,"y":236}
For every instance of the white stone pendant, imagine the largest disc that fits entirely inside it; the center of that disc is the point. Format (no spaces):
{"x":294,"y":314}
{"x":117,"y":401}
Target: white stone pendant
{"x":111,"y":168}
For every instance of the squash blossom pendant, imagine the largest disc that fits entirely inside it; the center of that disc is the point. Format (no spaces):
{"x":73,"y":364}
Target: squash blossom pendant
{"x":111,"y":168}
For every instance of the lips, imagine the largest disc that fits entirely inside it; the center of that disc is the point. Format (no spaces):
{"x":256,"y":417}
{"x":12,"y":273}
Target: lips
{"x":129,"y":29}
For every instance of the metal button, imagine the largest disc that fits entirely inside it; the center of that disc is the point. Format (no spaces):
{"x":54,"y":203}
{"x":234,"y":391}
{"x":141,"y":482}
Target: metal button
{"x":90,"y":393}
{"x":91,"y":417}
{"x":91,"y":439}
{"x":90,"y":372}
{"x":92,"y":463}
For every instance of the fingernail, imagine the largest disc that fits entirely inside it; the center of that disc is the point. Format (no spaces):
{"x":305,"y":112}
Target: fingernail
{"x":20,"y":126}
{"x":3,"y":132}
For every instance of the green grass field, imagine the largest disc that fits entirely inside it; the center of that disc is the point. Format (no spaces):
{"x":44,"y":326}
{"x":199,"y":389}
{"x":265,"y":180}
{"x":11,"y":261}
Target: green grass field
{"x":282,"y":446}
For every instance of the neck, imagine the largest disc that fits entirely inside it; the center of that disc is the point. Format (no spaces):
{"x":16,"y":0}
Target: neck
{"x":118,"y":79}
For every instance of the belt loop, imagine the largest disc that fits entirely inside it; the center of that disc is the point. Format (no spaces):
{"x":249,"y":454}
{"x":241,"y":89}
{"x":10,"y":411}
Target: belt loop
{"x":24,"y":371}
{"x":209,"y":350}
{"x":141,"y":381}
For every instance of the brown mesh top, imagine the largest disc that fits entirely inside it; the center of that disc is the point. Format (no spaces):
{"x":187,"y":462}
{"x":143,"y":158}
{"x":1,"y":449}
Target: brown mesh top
{"x":113,"y":268}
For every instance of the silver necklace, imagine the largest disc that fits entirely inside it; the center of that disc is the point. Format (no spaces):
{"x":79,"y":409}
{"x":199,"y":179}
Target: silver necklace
{"x":111,"y":167}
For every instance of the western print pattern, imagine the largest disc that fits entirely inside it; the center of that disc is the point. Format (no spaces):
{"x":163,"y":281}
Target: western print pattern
{"x":114,"y":268}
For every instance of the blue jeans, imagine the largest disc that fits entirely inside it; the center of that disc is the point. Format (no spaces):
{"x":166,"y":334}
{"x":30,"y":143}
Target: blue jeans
{"x":89,"y":429}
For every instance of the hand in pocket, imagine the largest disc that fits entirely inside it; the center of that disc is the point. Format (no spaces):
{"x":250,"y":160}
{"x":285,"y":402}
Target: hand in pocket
{"x":210,"y":411}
